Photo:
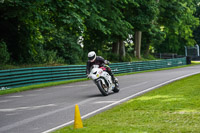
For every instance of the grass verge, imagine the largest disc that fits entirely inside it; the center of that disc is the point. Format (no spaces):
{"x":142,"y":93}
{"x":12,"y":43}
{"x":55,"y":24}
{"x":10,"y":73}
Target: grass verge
{"x":31,"y":87}
{"x":173,"y":108}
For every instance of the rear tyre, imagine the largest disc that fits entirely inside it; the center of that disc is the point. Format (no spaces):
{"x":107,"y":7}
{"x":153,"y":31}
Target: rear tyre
{"x":116,"y":89}
{"x":103,"y":89}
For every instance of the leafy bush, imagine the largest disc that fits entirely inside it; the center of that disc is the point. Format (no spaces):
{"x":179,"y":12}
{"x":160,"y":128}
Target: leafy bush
{"x":4,"y":56}
{"x":46,"y":56}
{"x":52,"y":58}
{"x":149,"y":57}
{"x":111,"y":57}
{"x":116,"y":58}
{"x":127,"y":58}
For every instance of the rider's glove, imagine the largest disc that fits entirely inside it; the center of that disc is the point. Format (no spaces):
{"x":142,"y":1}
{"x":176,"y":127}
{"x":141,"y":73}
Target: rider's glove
{"x":106,"y":62}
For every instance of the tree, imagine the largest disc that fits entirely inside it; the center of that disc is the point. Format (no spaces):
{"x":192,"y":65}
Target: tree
{"x":17,"y":27}
{"x":4,"y":56}
{"x":67,"y":17}
{"x":196,"y":31}
{"x":141,"y":14}
{"x":106,"y":27}
{"x":49,"y":31}
{"x":33,"y":28}
{"x":152,"y":37}
{"x":176,"y":18}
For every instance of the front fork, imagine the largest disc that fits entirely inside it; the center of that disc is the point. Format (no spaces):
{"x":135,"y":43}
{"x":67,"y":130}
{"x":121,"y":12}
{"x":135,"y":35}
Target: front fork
{"x":103,"y":82}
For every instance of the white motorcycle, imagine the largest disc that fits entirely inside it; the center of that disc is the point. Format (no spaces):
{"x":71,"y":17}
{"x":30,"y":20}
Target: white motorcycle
{"x":103,"y":80}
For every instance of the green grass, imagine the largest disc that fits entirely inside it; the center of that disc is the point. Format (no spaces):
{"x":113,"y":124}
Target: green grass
{"x":195,"y":62}
{"x":174,"y":108}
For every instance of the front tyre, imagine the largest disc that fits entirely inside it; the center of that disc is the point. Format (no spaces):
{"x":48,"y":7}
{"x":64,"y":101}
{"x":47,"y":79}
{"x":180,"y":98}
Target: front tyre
{"x":102,"y":88}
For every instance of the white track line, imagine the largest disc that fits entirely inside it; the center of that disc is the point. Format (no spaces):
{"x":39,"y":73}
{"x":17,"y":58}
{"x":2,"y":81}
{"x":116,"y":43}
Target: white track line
{"x":120,"y":101}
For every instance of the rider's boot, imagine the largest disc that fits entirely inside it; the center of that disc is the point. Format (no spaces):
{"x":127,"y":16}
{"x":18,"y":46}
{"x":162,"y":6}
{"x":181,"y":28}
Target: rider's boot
{"x":113,"y":78}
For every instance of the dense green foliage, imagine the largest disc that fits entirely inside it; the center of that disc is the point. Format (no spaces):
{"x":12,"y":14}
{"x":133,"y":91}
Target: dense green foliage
{"x":178,"y":20}
{"x":57,"y":31}
{"x":4,"y":56}
{"x":197,"y":30}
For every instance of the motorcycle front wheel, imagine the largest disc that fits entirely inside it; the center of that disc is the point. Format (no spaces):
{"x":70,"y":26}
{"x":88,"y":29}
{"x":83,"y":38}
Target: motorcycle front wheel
{"x":103,"y":89}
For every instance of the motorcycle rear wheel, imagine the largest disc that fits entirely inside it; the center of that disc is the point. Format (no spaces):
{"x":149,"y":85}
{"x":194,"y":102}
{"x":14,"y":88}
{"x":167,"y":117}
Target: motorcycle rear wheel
{"x":116,"y":89}
{"x":101,"y":88}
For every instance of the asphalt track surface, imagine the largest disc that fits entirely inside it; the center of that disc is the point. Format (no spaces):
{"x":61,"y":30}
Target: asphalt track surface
{"x":46,"y":109}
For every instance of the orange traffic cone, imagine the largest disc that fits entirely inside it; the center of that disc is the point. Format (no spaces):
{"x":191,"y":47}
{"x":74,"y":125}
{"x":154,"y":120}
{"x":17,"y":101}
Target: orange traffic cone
{"x":77,"y":118}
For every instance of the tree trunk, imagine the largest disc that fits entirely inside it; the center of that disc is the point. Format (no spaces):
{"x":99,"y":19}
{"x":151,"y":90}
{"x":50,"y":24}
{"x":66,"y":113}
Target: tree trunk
{"x":122,"y":51}
{"x":147,"y":50}
{"x":115,"y":47}
{"x":138,"y":37}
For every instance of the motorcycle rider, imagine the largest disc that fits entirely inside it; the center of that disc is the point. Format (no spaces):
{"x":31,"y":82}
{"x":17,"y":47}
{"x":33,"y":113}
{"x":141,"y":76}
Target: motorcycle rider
{"x":93,"y":59}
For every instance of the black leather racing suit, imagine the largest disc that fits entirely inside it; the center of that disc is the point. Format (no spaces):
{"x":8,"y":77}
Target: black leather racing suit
{"x":101,"y":62}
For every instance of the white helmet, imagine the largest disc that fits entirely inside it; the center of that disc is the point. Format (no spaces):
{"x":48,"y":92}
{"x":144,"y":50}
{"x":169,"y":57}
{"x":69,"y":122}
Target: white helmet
{"x":92,"y":56}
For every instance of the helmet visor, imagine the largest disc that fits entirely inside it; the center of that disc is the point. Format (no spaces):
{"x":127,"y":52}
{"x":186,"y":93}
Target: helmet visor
{"x":91,"y":58}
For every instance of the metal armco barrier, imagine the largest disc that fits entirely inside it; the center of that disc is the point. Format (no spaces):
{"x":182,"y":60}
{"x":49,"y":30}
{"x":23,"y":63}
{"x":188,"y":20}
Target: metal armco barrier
{"x":13,"y":78}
